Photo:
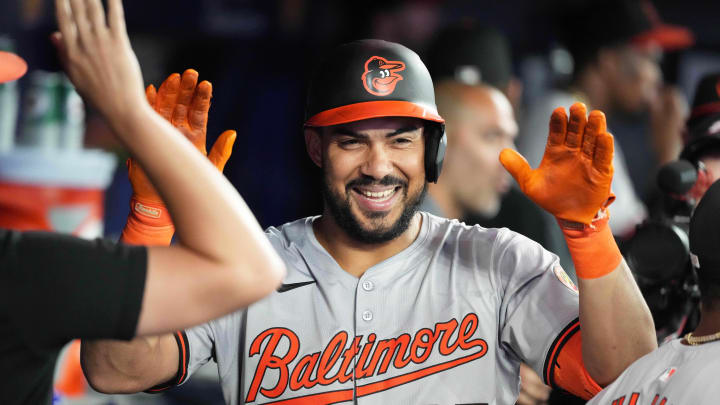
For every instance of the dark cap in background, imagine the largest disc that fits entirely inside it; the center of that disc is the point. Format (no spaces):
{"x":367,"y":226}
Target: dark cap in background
{"x":707,"y":99}
{"x":471,"y":54}
{"x":703,"y":126}
{"x":586,"y":26}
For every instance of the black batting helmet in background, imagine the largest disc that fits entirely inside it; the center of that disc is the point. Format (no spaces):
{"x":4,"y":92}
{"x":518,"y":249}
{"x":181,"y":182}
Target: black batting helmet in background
{"x":373,"y":78}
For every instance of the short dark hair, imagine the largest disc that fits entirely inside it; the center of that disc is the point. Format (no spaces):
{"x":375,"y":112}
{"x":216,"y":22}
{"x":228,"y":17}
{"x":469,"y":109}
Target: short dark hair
{"x":704,"y":237}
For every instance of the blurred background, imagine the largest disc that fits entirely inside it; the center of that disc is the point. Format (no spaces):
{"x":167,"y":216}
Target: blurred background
{"x":259,"y":57}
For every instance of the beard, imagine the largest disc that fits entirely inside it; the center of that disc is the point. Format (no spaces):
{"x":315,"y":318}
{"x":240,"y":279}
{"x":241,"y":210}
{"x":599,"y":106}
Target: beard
{"x":341,"y":210}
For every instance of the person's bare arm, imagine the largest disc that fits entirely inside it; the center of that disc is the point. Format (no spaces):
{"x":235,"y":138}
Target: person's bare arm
{"x":617,"y":327}
{"x":222,"y":261}
{"x":117,"y":367}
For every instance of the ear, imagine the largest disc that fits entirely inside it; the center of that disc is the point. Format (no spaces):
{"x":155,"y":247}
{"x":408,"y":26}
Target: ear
{"x":313,"y":144}
{"x":514,"y":91}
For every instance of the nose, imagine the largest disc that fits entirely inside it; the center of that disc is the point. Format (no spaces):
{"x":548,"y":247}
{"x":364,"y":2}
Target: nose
{"x":377,"y":162}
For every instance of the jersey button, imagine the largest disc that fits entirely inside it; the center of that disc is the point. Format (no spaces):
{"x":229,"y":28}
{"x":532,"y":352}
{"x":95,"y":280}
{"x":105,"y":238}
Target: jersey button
{"x":367,"y":316}
{"x":368,"y":285}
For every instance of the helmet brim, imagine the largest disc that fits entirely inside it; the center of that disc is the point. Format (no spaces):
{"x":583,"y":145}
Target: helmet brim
{"x":373,"y":109}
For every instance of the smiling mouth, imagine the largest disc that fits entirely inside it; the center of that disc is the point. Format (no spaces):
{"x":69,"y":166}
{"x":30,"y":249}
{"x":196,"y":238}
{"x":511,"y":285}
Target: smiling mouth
{"x":376,"y":200}
{"x":377,"y":195}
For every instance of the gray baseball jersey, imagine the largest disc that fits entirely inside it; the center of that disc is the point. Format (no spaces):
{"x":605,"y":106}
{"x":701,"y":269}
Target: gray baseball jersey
{"x":674,"y":374}
{"x":446,"y":321}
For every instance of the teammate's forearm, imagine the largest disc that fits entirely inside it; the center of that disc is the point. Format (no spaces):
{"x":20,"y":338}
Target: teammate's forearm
{"x":115,"y":367}
{"x":617,"y":327}
{"x":209,"y":215}
{"x":616,"y":324}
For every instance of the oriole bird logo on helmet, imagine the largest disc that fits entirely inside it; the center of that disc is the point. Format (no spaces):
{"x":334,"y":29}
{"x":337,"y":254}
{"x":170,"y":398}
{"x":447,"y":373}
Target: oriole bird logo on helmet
{"x":380,"y":76}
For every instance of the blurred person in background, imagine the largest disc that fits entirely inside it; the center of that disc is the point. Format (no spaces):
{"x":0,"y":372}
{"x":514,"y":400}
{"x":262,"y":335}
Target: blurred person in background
{"x":477,"y":90}
{"x":616,"y":47}
{"x":54,"y":288}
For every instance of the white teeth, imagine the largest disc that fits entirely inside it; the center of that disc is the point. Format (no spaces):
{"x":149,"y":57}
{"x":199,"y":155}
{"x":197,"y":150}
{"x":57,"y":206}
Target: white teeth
{"x":379,"y":194}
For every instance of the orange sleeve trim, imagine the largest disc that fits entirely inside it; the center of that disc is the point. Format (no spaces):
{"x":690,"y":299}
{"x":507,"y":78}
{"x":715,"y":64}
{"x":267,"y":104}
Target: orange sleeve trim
{"x":551,"y":359}
{"x":564,"y":367}
{"x":181,"y":376}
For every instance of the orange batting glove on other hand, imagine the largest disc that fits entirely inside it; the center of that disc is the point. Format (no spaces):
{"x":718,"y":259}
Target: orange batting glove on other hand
{"x":573,"y":183}
{"x":185,"y":103}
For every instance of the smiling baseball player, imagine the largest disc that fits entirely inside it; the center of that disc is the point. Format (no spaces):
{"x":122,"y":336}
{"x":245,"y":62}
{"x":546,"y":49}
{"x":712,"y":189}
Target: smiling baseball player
{"x":387,"y":305}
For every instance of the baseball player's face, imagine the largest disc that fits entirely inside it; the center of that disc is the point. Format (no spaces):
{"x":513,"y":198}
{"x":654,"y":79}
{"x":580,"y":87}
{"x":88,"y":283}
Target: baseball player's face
{"x":634,"y":77}
{"x":483,"y":126}
{"x":374,"y":176}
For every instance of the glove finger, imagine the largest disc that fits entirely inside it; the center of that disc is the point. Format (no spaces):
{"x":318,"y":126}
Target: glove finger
{"x":593,"y":129}
{"x":516,"y":164}
{"x":222,"y":149}
{"x":199,"y":107}
{"x":558,"y":127}
{"x":188,"y":82}
{"x":576,"y":126}
{"x":151,"y":95}
{"x":167,"y":96}
{"x":602,"y":159}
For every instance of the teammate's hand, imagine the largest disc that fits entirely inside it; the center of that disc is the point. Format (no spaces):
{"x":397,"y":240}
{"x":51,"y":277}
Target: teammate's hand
{"x":532,"y":389}
{"x":574,"y":176}
{"x":185,"y":103}
{"x":98,"y":58}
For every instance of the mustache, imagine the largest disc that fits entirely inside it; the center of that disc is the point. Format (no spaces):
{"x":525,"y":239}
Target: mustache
{"x":369,"y":181}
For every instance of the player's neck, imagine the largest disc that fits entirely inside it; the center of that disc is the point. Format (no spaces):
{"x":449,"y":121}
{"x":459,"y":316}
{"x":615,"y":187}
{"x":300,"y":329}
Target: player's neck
{"x":709,"y":322}
{"x":356,"y":257}
{"x":442,"y":198}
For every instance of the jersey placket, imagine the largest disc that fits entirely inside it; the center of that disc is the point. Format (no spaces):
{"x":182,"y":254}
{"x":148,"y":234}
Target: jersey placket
{"x":367,"y":316}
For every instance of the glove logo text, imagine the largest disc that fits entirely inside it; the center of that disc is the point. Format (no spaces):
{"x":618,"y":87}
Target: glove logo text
{"x":147,"y":210}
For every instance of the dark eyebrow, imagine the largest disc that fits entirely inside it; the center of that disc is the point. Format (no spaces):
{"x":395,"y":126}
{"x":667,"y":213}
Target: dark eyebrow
{"x":402,"y":130}
{"x":347,"y":132}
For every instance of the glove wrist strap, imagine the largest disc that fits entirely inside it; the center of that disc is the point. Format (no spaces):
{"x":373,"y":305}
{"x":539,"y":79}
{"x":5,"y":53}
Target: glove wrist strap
{"x":149,"y":223}
{"x":592,"y":246}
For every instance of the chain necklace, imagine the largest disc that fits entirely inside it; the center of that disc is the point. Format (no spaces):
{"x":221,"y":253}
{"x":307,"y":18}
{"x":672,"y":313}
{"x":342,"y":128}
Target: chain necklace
{"x":696,"y":340}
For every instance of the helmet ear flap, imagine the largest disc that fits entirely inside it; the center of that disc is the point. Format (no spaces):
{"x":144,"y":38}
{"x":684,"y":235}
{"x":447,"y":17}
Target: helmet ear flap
{"x":435,"y":145}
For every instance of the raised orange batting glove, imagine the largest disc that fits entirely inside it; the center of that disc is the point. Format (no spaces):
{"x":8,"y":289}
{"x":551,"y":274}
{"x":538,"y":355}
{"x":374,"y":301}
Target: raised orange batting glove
{"x":185,"y":103}
{"x":573,"y":183}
